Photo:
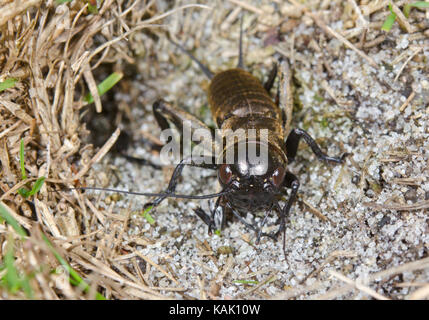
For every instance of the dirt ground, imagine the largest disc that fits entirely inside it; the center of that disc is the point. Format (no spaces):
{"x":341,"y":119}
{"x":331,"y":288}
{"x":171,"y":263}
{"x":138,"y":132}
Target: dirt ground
{"x":359,"y":230}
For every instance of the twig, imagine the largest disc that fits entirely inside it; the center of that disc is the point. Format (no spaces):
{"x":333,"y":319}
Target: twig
{"x":269,"y":279}
{"x":406,"y":62}
{"x":99,"y":267}
{"x":316,"y":212}
{"x":23,"y":221}
{"x":397,"y":206}
{"x":92,"y":85}
{"x":247,"y":6}
{"x":346,"y":42}
{"x":410,"y":97}
{"x":421,"y":293}
{"x":330,"y":91}
{"x":100,"y":154}
{"x":332,"y":257}
{"x":48,"y":218}
{"x":96,"y":212}
{"x":403,"y":22}
{"x":17,"y":111}
{"x":16,"y":187}
{"x":150,"y":261}
{"x":329,"y":30}
{"x":409,"y":181}
{"x":11,"y":128}
{"x":410,"y":266}
{"x":359,"y":13}
{"x":373,"y":43}
{"x":358,"y":285}
{"x":164,"y":15}
{"x":11,"y":10}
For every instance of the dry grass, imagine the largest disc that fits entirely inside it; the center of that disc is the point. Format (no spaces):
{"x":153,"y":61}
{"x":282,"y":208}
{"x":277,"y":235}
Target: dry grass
{"x":56,"y":52}
{"x":53,"y":50}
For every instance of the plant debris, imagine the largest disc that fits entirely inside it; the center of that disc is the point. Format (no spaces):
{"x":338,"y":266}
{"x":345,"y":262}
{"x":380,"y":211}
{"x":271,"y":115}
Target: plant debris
{"x":357,"y":89}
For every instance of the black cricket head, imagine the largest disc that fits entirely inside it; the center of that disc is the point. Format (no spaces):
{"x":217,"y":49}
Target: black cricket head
{"x":254,"y":183}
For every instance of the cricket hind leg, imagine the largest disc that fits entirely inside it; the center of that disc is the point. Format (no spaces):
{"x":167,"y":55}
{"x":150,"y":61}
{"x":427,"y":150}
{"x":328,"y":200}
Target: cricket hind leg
{"x":292,"y":143}
{"x":164,"y":112}
{"x":142,"y":161}
{"x":125,"y":141}
{"x":268,"y":85}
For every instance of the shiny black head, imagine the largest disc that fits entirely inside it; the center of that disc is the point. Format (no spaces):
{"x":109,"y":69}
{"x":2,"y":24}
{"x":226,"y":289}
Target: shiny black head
{"x":254,"y":183}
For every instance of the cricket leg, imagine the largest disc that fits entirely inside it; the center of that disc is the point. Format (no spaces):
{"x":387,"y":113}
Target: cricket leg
{"x":271,"y":78}
{"x":175,"y":176}
{"x":264,"y":221}
{"x":292,"y":142}
{"x":216,"y":220}
{"x":291,"y":181}
{"x":165,"y":112}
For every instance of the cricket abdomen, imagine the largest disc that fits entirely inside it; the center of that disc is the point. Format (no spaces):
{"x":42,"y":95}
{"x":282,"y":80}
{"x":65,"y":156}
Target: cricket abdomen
{"x":238,"y":100}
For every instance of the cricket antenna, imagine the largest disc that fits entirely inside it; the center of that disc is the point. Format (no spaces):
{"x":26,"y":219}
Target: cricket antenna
{"x":148,"y":194}
{"x":240,"y":45}
{"x":202,"y":66}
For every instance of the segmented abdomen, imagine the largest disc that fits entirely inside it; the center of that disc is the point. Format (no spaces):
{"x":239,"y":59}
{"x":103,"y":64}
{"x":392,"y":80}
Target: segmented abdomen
{"x":238,"y":100}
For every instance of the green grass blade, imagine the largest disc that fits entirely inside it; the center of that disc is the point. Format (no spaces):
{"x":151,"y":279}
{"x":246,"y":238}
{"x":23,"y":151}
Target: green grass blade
{"x":92,"y":8}
{"x":417,"y":4}
{"x":25,"y":284}
{"x":11,"y":278}
{"x":246,"y":281}
{"x":147,"y":216}
{"x":22,"y":160}
{"x":390,"y":20}
{"x":39,"y":182}
{"x":406,"y":10}
{"x":420,"y":4}
{"x":8,"y":83}
{"x":24,"y":192}
{"x":4,"y":213}
{"x":75,"y":279}
{"x":105,"y":85}
{"x":388,"y":23}
{"x":37,"y":186}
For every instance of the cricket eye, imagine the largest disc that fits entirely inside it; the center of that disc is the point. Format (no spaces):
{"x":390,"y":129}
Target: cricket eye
{"x":225,"y":174}
{"x":278,"y":176}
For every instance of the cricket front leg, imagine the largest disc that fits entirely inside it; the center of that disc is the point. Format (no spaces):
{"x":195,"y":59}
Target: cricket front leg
{"x":175,"y":177}
{"x":216,"y":220}
{"x":292,"y":182}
